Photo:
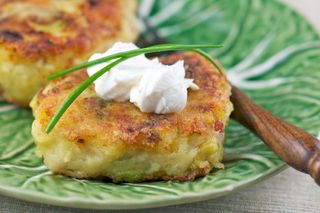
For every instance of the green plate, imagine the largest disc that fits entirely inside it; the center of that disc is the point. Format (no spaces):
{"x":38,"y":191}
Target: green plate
{"x":270,"y":52}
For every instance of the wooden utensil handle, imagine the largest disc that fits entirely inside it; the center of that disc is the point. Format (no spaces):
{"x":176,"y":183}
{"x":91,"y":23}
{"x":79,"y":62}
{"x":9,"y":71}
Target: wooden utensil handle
{"x":296,"y":147}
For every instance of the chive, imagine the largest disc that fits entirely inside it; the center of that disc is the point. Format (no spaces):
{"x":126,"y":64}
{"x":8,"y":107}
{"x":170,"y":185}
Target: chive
{"x":131,"y":53}
{"x":76,"y":92}
{"x":122,"y":56}
{"x":208,"y":57}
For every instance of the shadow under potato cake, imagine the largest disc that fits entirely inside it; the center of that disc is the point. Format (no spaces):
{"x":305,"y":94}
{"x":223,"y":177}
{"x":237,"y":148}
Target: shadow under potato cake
{"x":38,"y":38}
{"x":104,"y":139}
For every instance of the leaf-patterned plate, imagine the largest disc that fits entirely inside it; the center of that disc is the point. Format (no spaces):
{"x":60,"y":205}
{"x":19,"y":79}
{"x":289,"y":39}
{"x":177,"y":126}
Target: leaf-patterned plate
{"x":270,"y":52}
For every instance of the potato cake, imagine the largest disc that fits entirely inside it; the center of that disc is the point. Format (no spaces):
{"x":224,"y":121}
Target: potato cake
{"x":40,"y":37}
{"x":98,"y":139}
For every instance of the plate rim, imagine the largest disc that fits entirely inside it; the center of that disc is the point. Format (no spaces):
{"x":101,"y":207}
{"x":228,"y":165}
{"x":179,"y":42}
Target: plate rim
{"x":185,"y":198}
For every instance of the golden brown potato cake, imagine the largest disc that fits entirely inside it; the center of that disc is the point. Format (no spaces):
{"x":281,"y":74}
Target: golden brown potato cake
{"x":100,"y":139}
{"x":40,"y":37}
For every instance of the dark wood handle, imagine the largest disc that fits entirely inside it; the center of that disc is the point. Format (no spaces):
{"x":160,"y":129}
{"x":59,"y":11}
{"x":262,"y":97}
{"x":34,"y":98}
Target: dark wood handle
{"x":296,"y":147}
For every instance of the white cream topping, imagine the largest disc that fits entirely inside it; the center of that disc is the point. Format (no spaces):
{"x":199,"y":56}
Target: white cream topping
{"x":149,"y":84}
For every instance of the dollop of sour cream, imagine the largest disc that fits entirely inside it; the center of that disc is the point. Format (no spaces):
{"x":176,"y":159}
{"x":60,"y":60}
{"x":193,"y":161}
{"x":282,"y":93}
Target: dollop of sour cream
{"x":148,"y":84}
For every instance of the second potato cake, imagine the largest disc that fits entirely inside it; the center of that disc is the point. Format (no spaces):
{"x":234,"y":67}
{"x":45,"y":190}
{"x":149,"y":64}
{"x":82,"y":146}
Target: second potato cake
{"x":40,"y":37}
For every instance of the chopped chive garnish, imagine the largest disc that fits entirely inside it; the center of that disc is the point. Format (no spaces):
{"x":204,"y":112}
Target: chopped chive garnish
{"x":120,"y":57}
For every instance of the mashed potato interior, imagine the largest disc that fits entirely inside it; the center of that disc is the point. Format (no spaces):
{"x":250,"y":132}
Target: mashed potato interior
{"x":122,"y":163}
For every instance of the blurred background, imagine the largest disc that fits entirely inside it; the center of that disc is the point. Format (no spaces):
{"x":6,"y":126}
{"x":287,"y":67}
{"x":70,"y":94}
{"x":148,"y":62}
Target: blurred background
{"x":309,"y":8}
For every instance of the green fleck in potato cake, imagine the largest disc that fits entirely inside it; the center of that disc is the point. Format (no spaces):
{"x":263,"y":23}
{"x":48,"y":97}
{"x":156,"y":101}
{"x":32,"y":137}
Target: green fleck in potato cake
{"x":101,"y":139}
{"x":40,"y":37}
